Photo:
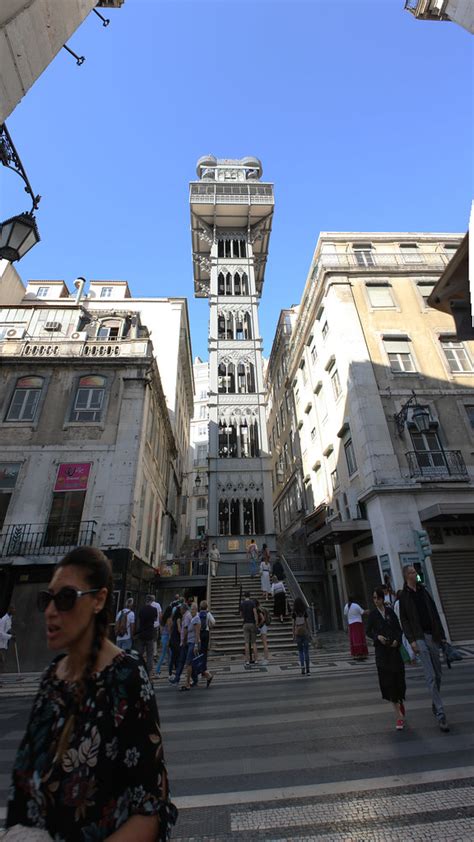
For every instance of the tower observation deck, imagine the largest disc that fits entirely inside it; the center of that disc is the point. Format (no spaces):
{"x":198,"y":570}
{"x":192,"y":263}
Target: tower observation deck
{"x":231,"y":217}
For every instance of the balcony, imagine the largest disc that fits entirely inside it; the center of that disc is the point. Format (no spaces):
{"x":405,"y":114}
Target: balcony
{"x":254,"y":194}
{"x":75,"y":348}
{"x":45,"y":539}
{"x":437,"y":465}
{"x":363,"y":260}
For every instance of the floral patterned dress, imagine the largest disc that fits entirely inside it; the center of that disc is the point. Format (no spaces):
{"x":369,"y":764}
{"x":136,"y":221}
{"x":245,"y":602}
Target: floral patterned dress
{"x":113,"y":768}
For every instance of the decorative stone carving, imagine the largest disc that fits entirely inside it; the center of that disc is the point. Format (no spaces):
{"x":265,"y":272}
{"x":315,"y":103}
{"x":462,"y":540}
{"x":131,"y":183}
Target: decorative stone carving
{"x":203,"y":261}
{"x":240,"y":486}
{"x":238,"y":356}
{"x":241,"y":268}
{"x":227,"y":234}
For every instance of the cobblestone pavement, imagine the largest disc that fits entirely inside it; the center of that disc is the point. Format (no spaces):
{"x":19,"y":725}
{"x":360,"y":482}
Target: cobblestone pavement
{"x":279,"y":757}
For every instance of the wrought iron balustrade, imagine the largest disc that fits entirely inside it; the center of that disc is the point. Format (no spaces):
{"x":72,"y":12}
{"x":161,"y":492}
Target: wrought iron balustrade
{"x":383,"y":260}
{"x":45,"y":539}
{"x":437,"y":464}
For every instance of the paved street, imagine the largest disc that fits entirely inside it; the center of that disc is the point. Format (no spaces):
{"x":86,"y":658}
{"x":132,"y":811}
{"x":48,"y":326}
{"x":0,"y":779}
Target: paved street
{"x":266,"y":756}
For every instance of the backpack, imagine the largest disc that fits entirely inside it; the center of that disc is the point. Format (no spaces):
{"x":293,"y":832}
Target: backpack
{"x":121,"y":626}
{"x":203,"y":618}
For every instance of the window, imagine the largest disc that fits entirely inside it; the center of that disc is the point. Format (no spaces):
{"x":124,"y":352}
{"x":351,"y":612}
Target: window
{"x":282,"y":416}
{"x":325,"y":330}
{"x":314,"y":355}
{"x":399,"y":354}
{"x":313,"y":433}
{"x":200,"y":527}
{"x":277,"y":422}
{"x":336,"y":384}
{"x":450,"y":249}
{"x":428,"y":452}
{"x":106,"y":292}
{"x":201,"y":503}
{"x":203,"y":412}
{"x":470,"y":414}
{"x":42,"y":292}
{"x":380,"y":295}
{"x":363,"y":254}
{"x":456,"y":355}
{"x":202,"y":432}
{"x":425,"y":288}
{"x":350,"y":457}
{"x":25,"y":399}
{"x":89,"y":399}
{"x":297,"y":395}
{"x":8,"y":476}
{"x":109,"y":332}
{"x":411,"y":253}
{"x":201,"y":452}
{"x":203,"y":394}
{"x":334,"y":478}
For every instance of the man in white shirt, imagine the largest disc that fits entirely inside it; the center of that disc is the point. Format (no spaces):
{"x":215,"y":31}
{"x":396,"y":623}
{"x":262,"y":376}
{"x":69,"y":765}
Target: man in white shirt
{"x":214,"y":559}
{"x":125,"y":635}
{"x":156,"y":625}
{"x":5,"y":636}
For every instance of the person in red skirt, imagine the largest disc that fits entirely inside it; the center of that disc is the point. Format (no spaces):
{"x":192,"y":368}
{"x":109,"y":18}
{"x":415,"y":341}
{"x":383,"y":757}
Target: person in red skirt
{"x":353,"y":613}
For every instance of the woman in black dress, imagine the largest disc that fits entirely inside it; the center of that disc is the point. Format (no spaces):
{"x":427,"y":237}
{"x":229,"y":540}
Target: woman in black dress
{"x":384,"y":629}
{"x":90,"y":766}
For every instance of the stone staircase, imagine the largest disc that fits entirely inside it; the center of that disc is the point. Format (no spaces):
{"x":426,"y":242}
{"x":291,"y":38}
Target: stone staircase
{"x":227,"y":637}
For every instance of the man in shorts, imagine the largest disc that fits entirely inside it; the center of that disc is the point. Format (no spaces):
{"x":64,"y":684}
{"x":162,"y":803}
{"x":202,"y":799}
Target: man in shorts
{"x":248,"y":612}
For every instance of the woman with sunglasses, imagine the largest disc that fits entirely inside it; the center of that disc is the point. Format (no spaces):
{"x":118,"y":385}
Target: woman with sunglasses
{"x":90,"y":765}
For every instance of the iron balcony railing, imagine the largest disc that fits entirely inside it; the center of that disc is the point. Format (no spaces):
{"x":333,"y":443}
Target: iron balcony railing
{"x":185,"y":567}
{"x":437,"y":464}
{"x":45,"y":539}
{"x":383,"y":260}
{"x":232,"y":193}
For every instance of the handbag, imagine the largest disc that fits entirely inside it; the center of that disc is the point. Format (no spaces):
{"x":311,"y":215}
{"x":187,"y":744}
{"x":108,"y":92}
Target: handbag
{"x":450,"y":653}
{"x":198,"y":664}
{"x":405,"y":656}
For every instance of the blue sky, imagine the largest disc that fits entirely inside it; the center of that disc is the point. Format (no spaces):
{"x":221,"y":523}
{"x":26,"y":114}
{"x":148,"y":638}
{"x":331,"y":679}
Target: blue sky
{"x":361,"y":115}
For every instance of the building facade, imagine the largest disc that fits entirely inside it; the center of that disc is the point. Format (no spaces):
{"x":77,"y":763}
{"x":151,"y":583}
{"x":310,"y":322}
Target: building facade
{"x":370,"y":361}
{"x":90,"y":451}
{"x":197,"y":527}
{"x":231,"y":213}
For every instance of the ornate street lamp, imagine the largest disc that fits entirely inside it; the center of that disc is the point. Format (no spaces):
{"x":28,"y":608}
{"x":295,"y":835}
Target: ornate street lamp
{"x":19,"y":233}
{"x":419,"y":415}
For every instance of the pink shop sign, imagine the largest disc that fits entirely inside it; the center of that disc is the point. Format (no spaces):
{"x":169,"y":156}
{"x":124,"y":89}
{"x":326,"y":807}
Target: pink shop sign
{"x":72,"y":476}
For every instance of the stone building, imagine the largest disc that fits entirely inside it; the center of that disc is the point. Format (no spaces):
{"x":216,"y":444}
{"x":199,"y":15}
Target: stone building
{"x":231,"y":213}
{"x":384,"y":399}
{"x":31,"y":34}
{"x":197,"y":510}
{"x":93,"y":439}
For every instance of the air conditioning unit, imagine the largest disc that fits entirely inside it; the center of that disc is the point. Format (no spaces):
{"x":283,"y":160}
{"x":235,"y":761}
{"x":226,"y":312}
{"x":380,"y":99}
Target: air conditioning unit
{"x":53,"y":326}
{"x":80,"y":335}
{"x":15,"y":333}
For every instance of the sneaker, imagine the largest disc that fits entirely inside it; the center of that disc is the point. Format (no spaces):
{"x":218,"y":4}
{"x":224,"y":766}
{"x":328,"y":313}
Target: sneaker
{"x":308,"y":672}
{"x":400,"y":724}
{"x":443,"y":725}
{"x":264,"y":663}
{"x":248,"y":663}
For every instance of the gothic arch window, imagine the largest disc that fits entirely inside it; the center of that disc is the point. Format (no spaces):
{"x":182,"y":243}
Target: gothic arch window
{"x":228,"y":284}
{"x":247,"y":326}
{"x":227,"y":439}
{"x":237,"y":287}
{"x":226,"y":378}
{"x":239,"y":327}
{"x":248,"y":439}
{"x":245,"y":378}
{"x":220,"y":284}
{"x":245,"y":284}
{"x":253,"y":517}
{"x":221,"y":327}
{"x":229,"y":517}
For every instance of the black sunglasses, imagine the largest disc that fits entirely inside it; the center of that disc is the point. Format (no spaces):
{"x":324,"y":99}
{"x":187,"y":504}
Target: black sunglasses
{"x":64,"y":600}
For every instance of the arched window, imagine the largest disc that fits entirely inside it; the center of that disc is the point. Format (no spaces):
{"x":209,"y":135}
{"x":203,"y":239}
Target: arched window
{"x":237,"y":287}
{"x":25,"y":399}
{"x":239,"y":327}
{"x":229,"y":517}
{"x":226,"y":378}
{"x":221,"y":327}
{"x":253,"y":517}
{"x":89,"y":399}
{"x":247,"y":326}
{"x":220,"y":284}
{"x":253,"y":439}
{"x":227,"y":440}
{"x":245,"y":284}
{"x":110,"y":330}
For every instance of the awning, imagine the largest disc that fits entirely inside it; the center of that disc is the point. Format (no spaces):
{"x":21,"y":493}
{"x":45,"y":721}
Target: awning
{"x":438,"y":511}
{"x":339,"y":531}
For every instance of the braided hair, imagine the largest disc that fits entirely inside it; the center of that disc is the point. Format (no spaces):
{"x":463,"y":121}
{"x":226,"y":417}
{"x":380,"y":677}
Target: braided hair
{"x":97,"y":571}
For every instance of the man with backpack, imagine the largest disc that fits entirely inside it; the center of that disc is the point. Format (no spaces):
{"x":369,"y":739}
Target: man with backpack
{"x":248,"y":612}
{"x":125,"y":626}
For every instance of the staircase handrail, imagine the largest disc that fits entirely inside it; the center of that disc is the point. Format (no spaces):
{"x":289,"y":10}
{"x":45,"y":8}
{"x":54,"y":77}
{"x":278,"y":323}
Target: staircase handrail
{"x":208,"y":584}
{"x":295,"y":590}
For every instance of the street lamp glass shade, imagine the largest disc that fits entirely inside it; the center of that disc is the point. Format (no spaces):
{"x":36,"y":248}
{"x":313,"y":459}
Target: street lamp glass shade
{"x":17,"y":236}
{"x":198,"y":481}
{"x":421,"y":419}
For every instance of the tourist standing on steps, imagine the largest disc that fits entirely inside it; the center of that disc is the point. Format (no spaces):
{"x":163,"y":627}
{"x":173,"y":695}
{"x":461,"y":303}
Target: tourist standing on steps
{"x":214,"y":559}
{"x":265,"y":570}
{"x":301,"y":633}
{"x":252,"y":555}
{"x":248,"y":612}
{"x":354,"y":613}
{"x":424,"y":631}
{"x":279,"y":599}
{"x":262,"y":629}
{"x":384,"y":629}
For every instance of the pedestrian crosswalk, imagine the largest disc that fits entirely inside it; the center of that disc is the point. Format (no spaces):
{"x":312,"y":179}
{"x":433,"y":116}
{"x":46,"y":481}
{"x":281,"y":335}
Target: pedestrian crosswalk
{"x":279,"y":756}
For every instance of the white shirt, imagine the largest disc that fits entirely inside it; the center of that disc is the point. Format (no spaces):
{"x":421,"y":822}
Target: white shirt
{"x":214,"y":554}
{"x":130,"y":622}
{"x":353,"y":612}
{"x":157,"y":607}
{"x":5,"y":626}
